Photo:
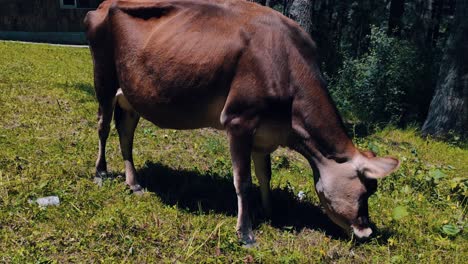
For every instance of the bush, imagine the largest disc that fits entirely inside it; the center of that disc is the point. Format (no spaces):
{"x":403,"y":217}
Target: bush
{"x":383,"y":85}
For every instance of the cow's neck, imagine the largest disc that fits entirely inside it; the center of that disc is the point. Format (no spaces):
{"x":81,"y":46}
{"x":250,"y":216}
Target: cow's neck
{"x":319,"y":133}
{"x":318,"y":155}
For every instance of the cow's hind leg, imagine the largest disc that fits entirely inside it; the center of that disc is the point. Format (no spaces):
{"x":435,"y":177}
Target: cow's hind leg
{"x":126,"y":120}
{"x":262,"y":164}
{"x":105,"y":86}
{"x":104,"y":120}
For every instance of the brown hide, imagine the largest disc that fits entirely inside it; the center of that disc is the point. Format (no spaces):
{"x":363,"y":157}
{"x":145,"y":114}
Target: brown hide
{"x":233,"y":65}
{"x":191,"y":64}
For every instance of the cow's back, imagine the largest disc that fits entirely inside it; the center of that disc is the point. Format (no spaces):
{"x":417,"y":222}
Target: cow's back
{"x":175,"y":58}
{"x":183,"y":48}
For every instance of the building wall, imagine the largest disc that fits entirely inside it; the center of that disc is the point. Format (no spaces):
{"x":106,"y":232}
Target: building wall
{"x":38,"y":17}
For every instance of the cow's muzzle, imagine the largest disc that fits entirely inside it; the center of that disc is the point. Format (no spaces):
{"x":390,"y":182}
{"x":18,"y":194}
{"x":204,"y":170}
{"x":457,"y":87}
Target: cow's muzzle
{"x":361,"y":227}
{"x":361,"y":233}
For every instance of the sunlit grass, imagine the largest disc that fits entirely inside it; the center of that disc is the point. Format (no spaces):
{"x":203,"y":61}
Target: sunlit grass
{"x":48,"y":146}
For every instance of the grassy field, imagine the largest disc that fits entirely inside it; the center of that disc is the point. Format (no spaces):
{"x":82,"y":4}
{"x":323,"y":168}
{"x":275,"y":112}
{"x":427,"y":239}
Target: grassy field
{"x":48,"y":146}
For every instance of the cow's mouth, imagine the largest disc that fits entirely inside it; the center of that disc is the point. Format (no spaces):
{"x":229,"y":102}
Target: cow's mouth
{"x":361,"y":232}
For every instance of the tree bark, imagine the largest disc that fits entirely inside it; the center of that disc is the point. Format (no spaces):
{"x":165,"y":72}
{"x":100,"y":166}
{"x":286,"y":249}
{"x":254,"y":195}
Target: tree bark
{"x":434,"y":24}
{"x":449,"y":107}
{"x":301,"y":11}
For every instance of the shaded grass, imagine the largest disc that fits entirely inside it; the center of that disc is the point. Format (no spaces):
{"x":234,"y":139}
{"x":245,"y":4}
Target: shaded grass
{"x":48,"y":146}
{"x":202,"y":193}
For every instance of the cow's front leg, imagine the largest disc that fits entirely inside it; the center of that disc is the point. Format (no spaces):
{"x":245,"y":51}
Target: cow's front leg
{"x":126,"y":120}
{"x":240,"y":147}
{"x":262,"y":164}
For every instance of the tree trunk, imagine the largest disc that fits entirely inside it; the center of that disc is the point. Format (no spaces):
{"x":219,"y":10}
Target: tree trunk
{"x":397,"y":7}
{"x":301,"y":11}
{"x":287,"y":6}
{"x":261,"y":2}
{"x":434,"y":25}
{"x":449,"y":107}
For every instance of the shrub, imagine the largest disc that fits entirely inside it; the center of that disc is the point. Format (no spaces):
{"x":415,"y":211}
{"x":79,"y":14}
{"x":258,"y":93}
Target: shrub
{"x":384,"y":84}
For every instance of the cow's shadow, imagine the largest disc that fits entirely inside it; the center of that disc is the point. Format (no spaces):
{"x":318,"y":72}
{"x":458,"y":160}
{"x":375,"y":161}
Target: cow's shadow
{"x":204,"y":192}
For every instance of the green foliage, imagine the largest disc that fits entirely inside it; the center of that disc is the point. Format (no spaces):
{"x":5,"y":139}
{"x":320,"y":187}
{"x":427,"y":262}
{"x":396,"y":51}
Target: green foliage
{"x":48,"y":146}
{"x":451,"y":230}
{"x":399,"y":212}
{"x":382,"y":84}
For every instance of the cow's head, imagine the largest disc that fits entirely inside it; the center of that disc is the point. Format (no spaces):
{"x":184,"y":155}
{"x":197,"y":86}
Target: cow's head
{"x":345,"y":187}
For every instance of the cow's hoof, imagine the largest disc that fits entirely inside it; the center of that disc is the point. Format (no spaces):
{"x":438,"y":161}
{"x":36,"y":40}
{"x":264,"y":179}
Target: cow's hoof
{"x":136,"y":189}
{"x":99,"y":176}
{"x":247,"y":239}
{"x":98,"y":181}
{"x":251,"y":244}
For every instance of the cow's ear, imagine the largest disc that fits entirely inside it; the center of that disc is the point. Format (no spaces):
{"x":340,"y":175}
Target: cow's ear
{"x":368,"y":153}
{"x":377,"y":168}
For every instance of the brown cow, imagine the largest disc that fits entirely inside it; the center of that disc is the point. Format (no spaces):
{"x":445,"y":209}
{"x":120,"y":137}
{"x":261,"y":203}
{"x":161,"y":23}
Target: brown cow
{"x":236,"y":66}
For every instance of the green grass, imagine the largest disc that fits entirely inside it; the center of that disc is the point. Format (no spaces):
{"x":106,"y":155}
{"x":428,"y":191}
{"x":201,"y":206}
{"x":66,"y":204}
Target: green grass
{"x":48,"y":146}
